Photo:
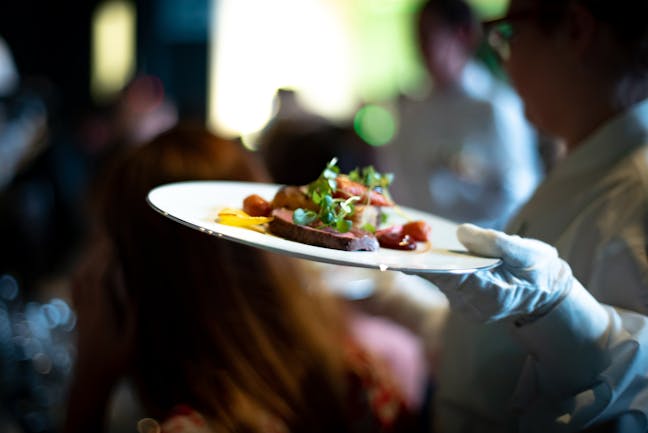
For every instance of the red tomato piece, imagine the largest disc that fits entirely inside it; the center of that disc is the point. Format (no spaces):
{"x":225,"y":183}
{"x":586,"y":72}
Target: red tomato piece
{"x":418,"y":230}
{"x":257,"y":206}
{"x":394,"y":238}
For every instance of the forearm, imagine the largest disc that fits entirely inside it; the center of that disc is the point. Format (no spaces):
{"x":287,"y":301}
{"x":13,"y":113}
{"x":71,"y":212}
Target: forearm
{"x":588,"y":362}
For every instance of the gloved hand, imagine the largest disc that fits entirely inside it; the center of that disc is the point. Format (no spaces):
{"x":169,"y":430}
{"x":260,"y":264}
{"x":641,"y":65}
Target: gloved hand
{"x":531,"y":280}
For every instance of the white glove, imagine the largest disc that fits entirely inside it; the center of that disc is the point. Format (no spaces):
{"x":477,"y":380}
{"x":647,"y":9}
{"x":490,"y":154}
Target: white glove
{"x":531,"y":280}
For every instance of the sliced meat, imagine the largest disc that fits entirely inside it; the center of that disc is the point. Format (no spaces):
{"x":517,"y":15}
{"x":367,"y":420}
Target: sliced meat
{"x":283,"y":226}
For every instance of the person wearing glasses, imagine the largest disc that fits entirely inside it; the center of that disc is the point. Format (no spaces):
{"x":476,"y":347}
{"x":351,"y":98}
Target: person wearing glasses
{"x":555,"y":338}
{"x":467,"y":143}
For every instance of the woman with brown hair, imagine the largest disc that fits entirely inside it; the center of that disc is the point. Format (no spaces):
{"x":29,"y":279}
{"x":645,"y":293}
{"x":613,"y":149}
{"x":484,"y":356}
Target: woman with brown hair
{"x":215,"y":335}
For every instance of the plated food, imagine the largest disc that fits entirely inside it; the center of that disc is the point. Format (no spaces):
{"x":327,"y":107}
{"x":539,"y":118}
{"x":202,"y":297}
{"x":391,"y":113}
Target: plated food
{"x":197,"y":204}
{"x":336,"y":210}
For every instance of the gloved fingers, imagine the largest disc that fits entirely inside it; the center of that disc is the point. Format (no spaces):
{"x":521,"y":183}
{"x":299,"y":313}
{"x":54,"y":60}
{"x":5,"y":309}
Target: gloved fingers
{"x":515,"y":251}
{"x":467,"y":286}
{"x":531,"y":280}
{"x":479,"y":240}
{"x":453,"y":286}
{"x":483,"y":296}
{"x":444,"y":281}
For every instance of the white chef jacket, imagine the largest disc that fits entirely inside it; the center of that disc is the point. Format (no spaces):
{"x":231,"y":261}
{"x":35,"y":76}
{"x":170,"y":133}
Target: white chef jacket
{"x":469,"y":148}
{"x":586,"y":361}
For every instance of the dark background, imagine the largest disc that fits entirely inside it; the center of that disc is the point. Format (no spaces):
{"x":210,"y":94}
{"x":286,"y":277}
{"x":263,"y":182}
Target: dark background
{"x":51,"y":41}
{"x":44,"y":208}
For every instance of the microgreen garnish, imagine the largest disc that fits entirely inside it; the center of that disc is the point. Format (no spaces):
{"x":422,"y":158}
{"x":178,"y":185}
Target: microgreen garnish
{"x":373,"y":180}
{"x":304,"y":217}
{"x":335,"y":212}
{"x":368,"y":227}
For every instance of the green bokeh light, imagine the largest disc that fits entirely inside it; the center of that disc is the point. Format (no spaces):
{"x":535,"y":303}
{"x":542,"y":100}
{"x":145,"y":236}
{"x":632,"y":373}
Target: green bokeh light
{"x":489,"y":9}
{"x":374,"y":124}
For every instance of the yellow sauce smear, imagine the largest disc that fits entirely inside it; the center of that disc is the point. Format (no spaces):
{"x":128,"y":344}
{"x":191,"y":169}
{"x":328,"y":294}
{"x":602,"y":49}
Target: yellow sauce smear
{"x":423,"y":247}
{"x":238,"y":218}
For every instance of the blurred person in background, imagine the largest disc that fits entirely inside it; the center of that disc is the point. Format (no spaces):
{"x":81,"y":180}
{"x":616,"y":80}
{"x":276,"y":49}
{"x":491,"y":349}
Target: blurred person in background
{"x":296,"y":144}
{"x":555,"y":339}
{"x":466,"y":145}
{"x":216,"y":336}
{"x":140,"y":111}
{"x":143,"y":110}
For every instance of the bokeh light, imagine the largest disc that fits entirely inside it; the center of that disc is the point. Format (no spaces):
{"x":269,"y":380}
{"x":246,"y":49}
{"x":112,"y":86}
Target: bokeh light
{"x":375,"y":124}
{"x":113,"y":48}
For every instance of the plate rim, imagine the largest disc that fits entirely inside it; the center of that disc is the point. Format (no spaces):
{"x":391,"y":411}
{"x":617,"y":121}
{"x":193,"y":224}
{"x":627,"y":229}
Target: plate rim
{"x":297,"y":254}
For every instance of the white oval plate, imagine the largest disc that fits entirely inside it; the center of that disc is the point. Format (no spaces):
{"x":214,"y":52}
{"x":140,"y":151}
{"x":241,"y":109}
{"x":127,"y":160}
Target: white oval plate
{"x":196,"y":204}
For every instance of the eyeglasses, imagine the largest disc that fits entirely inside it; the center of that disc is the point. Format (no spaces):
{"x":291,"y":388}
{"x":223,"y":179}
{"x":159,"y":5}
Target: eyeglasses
{"x":499,"y":33}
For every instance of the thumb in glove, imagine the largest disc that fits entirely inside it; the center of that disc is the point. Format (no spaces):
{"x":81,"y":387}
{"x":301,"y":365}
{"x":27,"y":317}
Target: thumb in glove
{"x":531,"y":280}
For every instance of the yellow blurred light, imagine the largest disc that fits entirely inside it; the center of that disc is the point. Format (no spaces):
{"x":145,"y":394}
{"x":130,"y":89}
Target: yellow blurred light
{"x":259,"y":46}
{"x":337,"y":54}
{"x":113,"y":48}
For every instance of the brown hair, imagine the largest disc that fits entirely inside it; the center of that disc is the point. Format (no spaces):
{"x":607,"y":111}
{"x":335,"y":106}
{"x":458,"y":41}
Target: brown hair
{"x":225,"y":328}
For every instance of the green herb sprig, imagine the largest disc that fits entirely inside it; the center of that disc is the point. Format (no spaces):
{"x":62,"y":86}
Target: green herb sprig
{"x":373,"y":180}
{"x":334,"y":212}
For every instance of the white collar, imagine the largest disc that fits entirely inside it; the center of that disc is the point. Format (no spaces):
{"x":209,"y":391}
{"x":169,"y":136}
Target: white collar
{"x":610,"y":142}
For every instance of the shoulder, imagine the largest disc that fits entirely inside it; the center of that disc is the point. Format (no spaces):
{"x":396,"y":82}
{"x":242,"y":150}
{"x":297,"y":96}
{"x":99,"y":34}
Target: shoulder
{"x":622,"y":223}
{"x":622,"y":190}
{"x":627,"y":179}
{"x":638,"y":164}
